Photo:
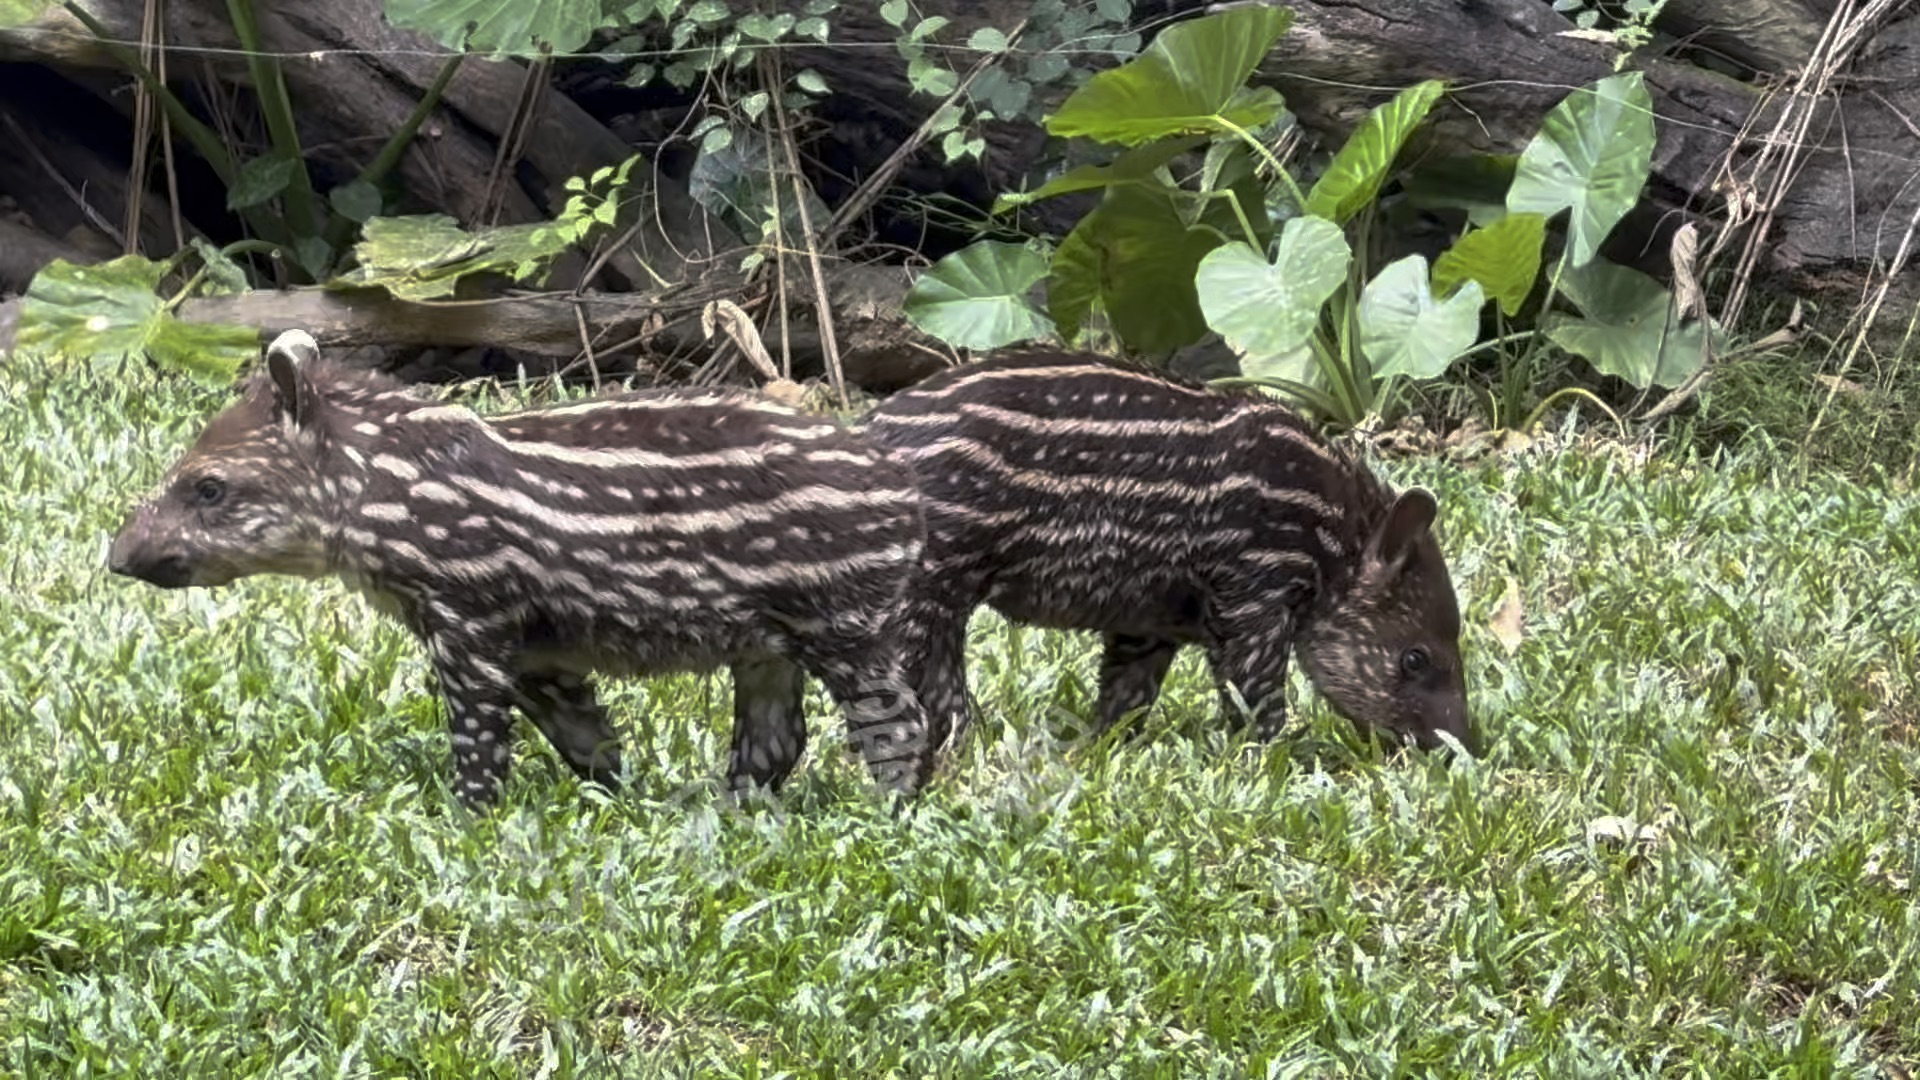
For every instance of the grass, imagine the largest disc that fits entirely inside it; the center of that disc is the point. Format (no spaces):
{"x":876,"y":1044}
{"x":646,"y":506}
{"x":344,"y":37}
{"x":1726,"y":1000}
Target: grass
{"x":227,"y":846}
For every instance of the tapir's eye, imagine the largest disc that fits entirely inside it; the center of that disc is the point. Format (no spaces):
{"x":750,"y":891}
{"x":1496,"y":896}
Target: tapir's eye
{"x":209,"y":490}
{"x":1414,"y":661}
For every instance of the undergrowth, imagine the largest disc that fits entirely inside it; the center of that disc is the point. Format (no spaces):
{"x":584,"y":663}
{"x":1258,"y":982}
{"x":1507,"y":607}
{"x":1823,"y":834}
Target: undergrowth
{"x":227,"y":845}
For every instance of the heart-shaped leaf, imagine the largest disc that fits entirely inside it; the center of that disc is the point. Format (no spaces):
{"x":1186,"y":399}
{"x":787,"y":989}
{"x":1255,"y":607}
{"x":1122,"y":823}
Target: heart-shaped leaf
{"x":1591,"y":155}
{"x":976,"y":298}
{"x":1268,"y":310}
{"x":1627,"y":327}
{"x":109,"y":311}
{"x":1192,"y":79}
{"x":1354,"y":178}
{"x":1504,"y":258}
{"x":1405,"y":331}
{"x":259,"y":180}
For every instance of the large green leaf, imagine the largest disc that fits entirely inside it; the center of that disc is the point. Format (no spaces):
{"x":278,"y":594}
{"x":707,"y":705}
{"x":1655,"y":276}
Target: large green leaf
{"x":1476,"y":183}
{"x":1354,"y":178}
{"x":109,"y":311}
{"x":424,"y":256}
{"x":1504,"y":258}
{"x":1627,"y":326}
{"x":1131,"y":166}
{"x":1138,"y":254}
{"x":1405,"y":331}
{"x":1073,"y":285}
{"x":1192,"y":79}
{"x":976,"y":298}
{"x":1591,"y":155}
{"x":1268,"y":310}
{"x":511,"y":27}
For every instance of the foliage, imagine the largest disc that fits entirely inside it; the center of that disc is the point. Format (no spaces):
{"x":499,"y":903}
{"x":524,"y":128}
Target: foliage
{"x":523,"y":28}
{"x":221,"y":809}
{"x":111,"y":312}
{"x":1632,"y":23}
{"x":1627,"y":327}
{"x":423,"y":257}
{"x":982,"y":294}
{"x":115,"y":310}
{"x":1136,"y":254}
{"x":1164,"y":262}
{"x":1591,"y":157}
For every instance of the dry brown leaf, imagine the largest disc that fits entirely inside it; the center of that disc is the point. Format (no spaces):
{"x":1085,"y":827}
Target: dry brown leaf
{"x":1509,"y":619}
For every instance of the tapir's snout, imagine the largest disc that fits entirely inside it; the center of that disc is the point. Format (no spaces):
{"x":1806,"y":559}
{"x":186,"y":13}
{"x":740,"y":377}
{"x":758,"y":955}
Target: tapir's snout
{"x":133,"y":555}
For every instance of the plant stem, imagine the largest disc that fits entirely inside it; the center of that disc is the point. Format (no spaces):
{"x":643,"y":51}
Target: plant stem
{"x":340,"y":228}
{"x":1299,"y":199}
{"x":211,"y":149}
{"x":277,"y":111}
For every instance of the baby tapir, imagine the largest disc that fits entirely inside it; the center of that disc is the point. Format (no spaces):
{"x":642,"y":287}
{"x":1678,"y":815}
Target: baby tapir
{"x":629,"y":534}
{"x":1073,"y":492}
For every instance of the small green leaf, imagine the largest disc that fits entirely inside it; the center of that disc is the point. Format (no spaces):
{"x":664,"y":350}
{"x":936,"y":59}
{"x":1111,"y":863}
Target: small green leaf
{"x":988,"y":39}
{"x":1269,"y":310}
{"x":768,"y":28}
{"x":109,"y":311}
{"x":260,"y":180}
{"x":1591,"y":155}
{"x":314,"y":255}
{"x":1627,"y":326}
{"x":755,"y":103}
{"x":1405,"y":331}
{"x":810,"y":81}
{"x":976,"y":298}
{"x":1190,"y":80}
{"x":894,"y":12}
{"x":1364,"y":161}
{"x":356,"y":200}
{"x":1007,"y":95}
{"x":1504,"y":258}
{"x":927,"y":77}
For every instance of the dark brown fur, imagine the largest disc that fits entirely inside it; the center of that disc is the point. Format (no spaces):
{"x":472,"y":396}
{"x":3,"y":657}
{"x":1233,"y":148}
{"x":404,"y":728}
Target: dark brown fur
{"x":1069,"y":492}
{"x":646,"y":532}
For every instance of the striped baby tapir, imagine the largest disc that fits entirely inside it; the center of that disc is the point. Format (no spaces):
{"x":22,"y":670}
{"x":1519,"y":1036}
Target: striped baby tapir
{"x":630,"y":534}
{"x":1072,"y":492}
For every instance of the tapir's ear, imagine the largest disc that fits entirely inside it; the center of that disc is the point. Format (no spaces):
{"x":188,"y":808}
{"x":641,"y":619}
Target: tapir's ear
{"x":1407,"y":520}
{"x":288,"y":361}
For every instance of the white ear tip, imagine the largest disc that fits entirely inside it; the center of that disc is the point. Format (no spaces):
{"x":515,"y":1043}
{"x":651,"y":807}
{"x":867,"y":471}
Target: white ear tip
{"x":295,"y":344}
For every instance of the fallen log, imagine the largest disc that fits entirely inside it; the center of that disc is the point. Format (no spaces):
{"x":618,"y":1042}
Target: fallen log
{"x":652,"y":330}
